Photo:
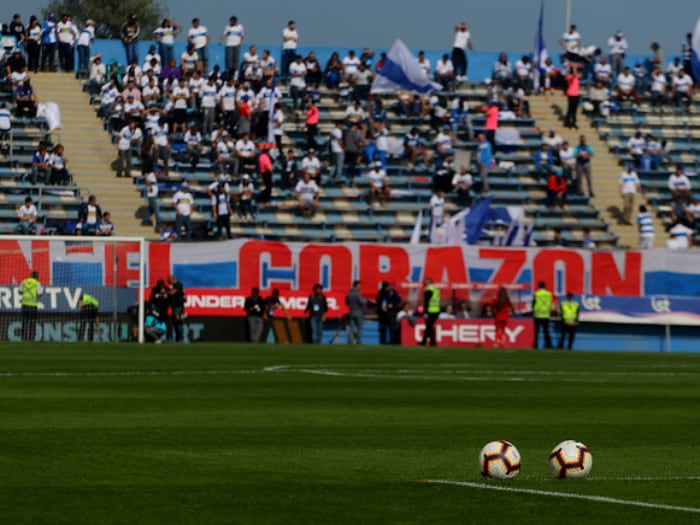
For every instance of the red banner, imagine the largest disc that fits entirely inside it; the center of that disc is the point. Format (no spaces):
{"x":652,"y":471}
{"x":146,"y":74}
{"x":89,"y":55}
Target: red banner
{"x":217,"y":302}
{"x":470,"y":332}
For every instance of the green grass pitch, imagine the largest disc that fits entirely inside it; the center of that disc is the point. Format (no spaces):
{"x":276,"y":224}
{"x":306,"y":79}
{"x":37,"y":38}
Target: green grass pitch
{"x":226,"y":433}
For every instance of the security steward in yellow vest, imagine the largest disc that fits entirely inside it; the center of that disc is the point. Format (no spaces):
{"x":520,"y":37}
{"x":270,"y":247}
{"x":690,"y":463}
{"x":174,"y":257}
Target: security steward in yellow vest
{"x":431,"y":305}
{"x":31,"y":292}
{"x":89,"y":316}
{"x":569,"y":320}
{"x":542,"y":312}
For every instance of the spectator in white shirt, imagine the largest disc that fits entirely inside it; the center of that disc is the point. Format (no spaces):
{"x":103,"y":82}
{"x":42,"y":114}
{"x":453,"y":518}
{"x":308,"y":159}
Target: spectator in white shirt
{"x":603,"y":71}
{"x":679,"y":184}
{"x":85,"y":38}
{"x":617,"y":47}
{"x":165,"y":35}
{"x":635,"y":147}
{"x":658,"y":88}
{"x":183,"y":203}
{"x":462,"y":42}
{"x":233,"y":38}
{"x":682,"y":88}
{"x":626,"y":86}
{"x":290,"y":39}
{"x":199,"y":37}
{"x":461,"y":183}
{"x":297,"y":84}
{"x":445,"y":72}
{"x":27,"y":216}
{"x":312,"y":165}
{"x":307,"y":192}
{"x":378,"y":184}
{"x":129,"y":137}
{"x":351,"y":64}
{"x":67,"y":34}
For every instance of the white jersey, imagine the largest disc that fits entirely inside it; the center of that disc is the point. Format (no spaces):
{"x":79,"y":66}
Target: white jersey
{"x":152,"y":185}
{"x":198,"y":36}
{"x":233,"y":35}
{"x":183,"y":202}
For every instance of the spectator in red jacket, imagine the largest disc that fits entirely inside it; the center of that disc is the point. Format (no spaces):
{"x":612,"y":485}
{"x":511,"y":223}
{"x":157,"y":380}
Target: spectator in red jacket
{"x":556,"y":190}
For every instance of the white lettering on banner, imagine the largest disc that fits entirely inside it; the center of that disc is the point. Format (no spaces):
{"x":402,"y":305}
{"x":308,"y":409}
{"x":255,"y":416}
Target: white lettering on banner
{"x":11,"y":297}
{"x":468,"y":333}
{"x":661,"y":306}
{"x":214,"y":301}
{"x":5,"y":298}
{"x":591,"y":302}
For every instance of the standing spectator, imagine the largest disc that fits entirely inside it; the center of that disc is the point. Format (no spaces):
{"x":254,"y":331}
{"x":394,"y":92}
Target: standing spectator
{"x":337,"y":148}
{"x":233,"y":38}
{"x":67,"y":33}
{"x":89,"y":317}
{"x":16,"y":29}
{"x":306,"y":192}
{"x":129,"y":138}
{"x":90,"y":215}
{"x":635,"y":147}
{"x":5,"y":128}
{"x":583,"y":153}
{"x":356,"y":313}
{"x":165,"y":36}
{"x":312,"y":114}
{"x":573,"y":96}
{"x":278,"y":126}
{"x":265,"y":172}
{"x":431,"y":306}
{"x":199,"y":37}
{"x":33,"y":44}
{"x":297,"y":85}
{"x":387,"y":304}
{"x":290,"y":39}
{"x":645,"y":224}
{"x":152,"y":200}
{"x":354,"y":142}
{"x":687,"y":54}
{"x":27,"y":216}
{"x":183,"y":202}
{"x":49,"y":40}
{"x":246,"y":189}
{"x":316,"y":309}
{"x":462,"y":41}
{"x":130,"y":38}
{"x":221,"y":207}
{"x":541,"y":312}
{"x":502,"y":310}
{"x":569,"y":320}
{"x":254,"y":307}
{"x":617,"y":47}
{"x":85,"y":39}
{"x":484,"y":161}
{"x":629,"y":186}
{"x":177,"y":308}
{"x":32,"y":290}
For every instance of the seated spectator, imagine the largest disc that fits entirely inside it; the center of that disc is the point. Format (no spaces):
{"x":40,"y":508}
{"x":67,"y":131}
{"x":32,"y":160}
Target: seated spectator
{"x":57,"y":163}
{"x":193,"y":145}
{"x":599,"y":97}
{"x":444,"y":173}
{"x":681,"y":238}
{"x":414,"y":146}
{"x":462,"y":183}
{"x":290,"y":171}
{"x":311,"y":165}
{"x":626,"y":86}
{"x":27,"y":216}
{"x":314,"y":75}
{"x":246,"y":190}
{"x":679,"y":184}
{"x":334,"y":71}
{"x":41,"y":168}
{"x":544,"y":161}
{"x":106,"y":227}
{"x":409,"y":105}
{"x":523,"y":74}
{"x":558,"y":239}
{"x":459,"y":119}
{"x":25,"y":100}
{"x":268,"y":65}
{"x":245,"y":152}
{"x":682,"y":89}
{"x":652,"y":153}
{"x":556,"y":191}
{"x":679,"y":211}
{"x":307,"y":194}
{"x":567,"y":160}
{"x":517,"y":102}
{"x":602,"y":71}
{"x":355,"y":113}
{"x":90,"y":216}
{"x":587,"y":240}
{"x":445,"y":72}
{"x":225,"y":155}
{"x":447,"y":312}
{"x":350,"y":64}
{"x":5,"y":128}
{"x":673,"y":68}
{"x":378,"y":184}
{"x":445,"y":141}
{"x":381,"y":143}
{"x":97,"y":75}
{"x":361,"y":82}
{"x":502,"y":70}
{"x":635,"y":147}
{"x":377,"y":115}
{"x":189,"y":60}
{"x":463,"y":310}
{"x":659,"y":88}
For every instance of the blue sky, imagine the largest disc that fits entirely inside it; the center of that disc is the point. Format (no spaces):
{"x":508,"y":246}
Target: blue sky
{"x":507,"y":25}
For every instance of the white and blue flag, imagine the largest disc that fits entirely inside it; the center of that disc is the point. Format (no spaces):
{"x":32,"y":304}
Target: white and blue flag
{"x":540,"y":50}
{"x":401,"y":72}
{"x":695,"y":52}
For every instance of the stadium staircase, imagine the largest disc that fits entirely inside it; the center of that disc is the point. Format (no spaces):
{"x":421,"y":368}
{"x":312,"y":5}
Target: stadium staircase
{"x":90,"y":153}
{"x":605,"y":171}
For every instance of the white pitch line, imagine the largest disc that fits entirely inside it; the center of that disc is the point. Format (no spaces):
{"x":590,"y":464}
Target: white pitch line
{"x":566,"y":495}
{"x":130,"y":373}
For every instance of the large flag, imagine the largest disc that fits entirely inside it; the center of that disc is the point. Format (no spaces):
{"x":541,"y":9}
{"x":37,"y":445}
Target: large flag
{"x":540,"y":50}
{"x":477,"y":218}
{"x":417,"y":228}
{"x":695,"y":52}
{"x":401,"y":72}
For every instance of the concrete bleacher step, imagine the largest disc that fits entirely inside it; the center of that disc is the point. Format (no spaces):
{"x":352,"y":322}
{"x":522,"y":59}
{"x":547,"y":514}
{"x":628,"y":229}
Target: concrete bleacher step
{"x":90,"y":153}
{"x":605,"y":170}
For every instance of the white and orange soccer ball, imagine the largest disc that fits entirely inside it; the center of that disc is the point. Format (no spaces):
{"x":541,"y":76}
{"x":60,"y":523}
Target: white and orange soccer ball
{"x":570,"y":459}
{"x":499,"y":459}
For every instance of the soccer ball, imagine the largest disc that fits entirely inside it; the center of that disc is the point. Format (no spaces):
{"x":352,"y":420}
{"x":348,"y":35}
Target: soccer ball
{"x":499,"y":459}
{"x":570,"y":459}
